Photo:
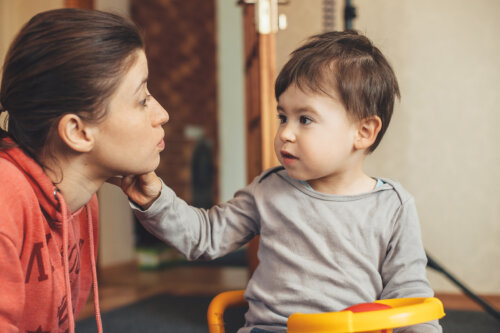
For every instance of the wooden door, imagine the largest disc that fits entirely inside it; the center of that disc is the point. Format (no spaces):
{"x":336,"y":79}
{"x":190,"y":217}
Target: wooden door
{"x":87,"y":4}
{"x":260,"y":26}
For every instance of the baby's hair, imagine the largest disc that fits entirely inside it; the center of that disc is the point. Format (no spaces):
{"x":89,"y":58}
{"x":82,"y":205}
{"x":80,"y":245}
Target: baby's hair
{"x":347,"y":64}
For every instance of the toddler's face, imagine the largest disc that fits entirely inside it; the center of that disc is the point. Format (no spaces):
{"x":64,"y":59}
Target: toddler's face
{"x":315,"y":137}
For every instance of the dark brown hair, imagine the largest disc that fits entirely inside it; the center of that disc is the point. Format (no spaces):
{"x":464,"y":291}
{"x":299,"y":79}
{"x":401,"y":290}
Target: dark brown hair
{"x":350,"y":65}
{"x":63,"y":61}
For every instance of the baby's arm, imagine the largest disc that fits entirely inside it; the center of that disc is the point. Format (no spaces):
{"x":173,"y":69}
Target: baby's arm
{"x":201,"y":233}
{"x":404,"y":268}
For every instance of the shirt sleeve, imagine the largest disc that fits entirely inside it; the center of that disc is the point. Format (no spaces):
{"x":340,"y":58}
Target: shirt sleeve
{"x":404,"y":268}
{"x":201,"y":233}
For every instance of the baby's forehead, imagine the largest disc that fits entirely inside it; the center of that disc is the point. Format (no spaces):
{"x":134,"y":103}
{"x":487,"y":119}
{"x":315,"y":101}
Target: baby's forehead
{"x":319,"y":86}
{"x":304,"y":97}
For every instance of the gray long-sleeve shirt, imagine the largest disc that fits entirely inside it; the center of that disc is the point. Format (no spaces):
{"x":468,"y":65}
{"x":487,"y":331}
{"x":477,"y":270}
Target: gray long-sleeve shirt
{"x":317,"y":252}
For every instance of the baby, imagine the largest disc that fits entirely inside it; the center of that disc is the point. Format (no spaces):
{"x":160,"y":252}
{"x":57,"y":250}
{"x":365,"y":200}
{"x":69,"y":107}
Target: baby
{"x":330,"y":235}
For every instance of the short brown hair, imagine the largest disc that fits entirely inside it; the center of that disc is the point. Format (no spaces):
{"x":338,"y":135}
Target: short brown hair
{"x":351,"y":65}
{"x":63,"y":61}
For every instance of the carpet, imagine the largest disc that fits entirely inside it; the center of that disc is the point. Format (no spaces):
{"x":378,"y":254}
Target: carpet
{"x":187,"y":314}
{"x":162,"y":313}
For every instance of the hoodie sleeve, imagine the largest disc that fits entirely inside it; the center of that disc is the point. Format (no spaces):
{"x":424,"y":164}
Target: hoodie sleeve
{"x":12,"y":286}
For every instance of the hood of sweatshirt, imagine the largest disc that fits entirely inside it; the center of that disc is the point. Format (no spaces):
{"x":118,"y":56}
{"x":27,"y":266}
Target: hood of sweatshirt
{"x":53,"y":204}
{"x":40,"y":182}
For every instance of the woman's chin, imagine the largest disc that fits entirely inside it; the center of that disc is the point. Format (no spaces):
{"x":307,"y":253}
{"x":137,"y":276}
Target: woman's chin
{"x":139,"y":171}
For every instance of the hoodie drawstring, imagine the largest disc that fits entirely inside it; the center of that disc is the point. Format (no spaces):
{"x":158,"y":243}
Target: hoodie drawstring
{"x":95,"y":290}
{"x":69,"y":302}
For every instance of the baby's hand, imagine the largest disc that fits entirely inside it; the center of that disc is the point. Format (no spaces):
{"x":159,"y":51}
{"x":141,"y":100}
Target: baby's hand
{"x":141,"y":189}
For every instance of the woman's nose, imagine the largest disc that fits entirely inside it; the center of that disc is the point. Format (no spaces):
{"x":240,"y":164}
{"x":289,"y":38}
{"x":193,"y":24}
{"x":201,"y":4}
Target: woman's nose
{"x":161,"y":115}
{"x":164,"y":116}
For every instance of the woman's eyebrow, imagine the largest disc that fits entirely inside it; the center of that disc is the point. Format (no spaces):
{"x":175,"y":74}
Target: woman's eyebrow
{"x":141,"y":84}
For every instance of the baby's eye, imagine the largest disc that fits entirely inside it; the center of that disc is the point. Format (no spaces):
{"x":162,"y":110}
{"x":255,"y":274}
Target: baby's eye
{"x":305,"y":120}
{"x":282,"y":118}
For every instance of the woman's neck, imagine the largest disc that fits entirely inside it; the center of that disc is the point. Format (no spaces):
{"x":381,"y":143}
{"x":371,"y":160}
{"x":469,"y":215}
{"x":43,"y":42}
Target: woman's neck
{"x":73,"y":181}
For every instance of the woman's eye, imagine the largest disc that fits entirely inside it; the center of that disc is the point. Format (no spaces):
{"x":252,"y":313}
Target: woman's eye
{"x":144,"y":102}
{"x":282,"y":118}
{"x":305,"y":120}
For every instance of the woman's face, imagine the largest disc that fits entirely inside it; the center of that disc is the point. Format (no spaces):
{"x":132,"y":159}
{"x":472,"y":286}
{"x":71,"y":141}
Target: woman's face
{"x":130,"y":137}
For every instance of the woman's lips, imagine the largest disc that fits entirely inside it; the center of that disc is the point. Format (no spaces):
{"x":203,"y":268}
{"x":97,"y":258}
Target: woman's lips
{"x":161,"y":144}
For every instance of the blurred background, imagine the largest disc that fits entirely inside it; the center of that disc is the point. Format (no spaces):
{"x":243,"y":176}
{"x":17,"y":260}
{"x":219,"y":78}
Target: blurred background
{"x":442,"y":144}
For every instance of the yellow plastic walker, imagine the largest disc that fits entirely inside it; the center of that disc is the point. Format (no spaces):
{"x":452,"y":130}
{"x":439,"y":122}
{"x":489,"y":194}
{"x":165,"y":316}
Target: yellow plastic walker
{"x":380,"y":316}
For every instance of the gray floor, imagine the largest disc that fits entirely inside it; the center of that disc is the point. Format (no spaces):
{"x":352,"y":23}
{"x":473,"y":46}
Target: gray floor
{"x":166,"y":313}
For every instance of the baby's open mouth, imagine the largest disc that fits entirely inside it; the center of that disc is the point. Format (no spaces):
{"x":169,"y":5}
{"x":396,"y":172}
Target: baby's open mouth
{"x":285,"y":154}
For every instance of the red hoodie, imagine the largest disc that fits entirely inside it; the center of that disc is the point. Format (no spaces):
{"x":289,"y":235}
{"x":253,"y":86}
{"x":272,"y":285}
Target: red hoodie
{"x":47,"y":253}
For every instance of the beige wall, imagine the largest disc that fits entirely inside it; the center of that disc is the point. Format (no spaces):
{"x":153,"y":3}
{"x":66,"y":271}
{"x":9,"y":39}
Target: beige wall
{"x":304,"y":18}
{"x":446,"y":56}
{"x":120,"y":7}
{"x":15,"y":13}
{"x":442,"y":142}
{"x":230,"y":98}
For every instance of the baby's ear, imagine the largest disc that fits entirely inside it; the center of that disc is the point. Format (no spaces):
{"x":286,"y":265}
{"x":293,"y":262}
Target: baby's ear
{"x":75,"y":133}
{"x":368,"y":130}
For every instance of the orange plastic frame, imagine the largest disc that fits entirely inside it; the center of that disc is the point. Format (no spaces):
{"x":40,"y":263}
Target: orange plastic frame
{"x":403,"y":312}
{"x":215,"y":313}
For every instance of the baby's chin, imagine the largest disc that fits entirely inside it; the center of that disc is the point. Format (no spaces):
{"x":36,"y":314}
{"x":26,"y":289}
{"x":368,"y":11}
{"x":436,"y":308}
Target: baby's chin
{"x":296,"y":176}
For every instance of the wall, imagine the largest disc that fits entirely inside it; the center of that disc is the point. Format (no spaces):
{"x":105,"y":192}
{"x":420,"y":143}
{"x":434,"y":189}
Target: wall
{"x":441,"y":143}
{"x":304,"y":18}
{"x":231,"y":98}
{"x":14,"y":14}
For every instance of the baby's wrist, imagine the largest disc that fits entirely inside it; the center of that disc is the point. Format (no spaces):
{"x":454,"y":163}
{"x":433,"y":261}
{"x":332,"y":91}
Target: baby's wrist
{"x":154,"y":193}
{"x":149,"y":203}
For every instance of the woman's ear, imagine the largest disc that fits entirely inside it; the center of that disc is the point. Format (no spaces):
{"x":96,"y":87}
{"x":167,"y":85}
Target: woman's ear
{"x":368,"y":130}
{"x":75,"y":133}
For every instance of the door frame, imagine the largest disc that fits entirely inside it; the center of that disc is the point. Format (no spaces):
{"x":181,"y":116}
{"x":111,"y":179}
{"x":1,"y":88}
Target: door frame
{"x":260,"y":103}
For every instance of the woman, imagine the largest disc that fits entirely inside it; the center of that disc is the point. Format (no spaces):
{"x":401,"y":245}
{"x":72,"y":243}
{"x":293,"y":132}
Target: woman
{"x":74,"y":86}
